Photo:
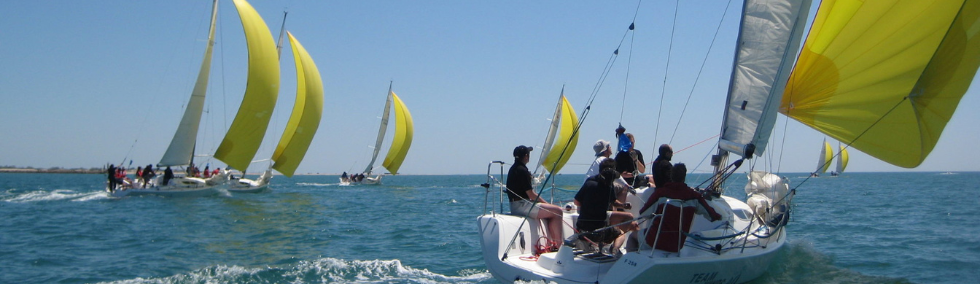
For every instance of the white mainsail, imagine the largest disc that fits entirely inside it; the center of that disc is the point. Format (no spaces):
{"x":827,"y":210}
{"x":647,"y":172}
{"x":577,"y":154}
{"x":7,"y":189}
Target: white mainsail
{"x":381,"y":133}
{"x":768,"y":41}
{"x":181,"y":148}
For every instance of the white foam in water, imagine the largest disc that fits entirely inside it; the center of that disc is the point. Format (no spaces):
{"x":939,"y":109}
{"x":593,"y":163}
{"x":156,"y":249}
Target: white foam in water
{"x":58,"y":194}
{"x":324,"y":270}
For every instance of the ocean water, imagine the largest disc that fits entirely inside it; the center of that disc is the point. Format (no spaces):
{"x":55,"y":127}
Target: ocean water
{"x":60,"y":228}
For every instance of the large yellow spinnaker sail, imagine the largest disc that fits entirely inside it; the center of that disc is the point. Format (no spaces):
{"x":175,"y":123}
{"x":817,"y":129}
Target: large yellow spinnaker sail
{"x":307,"y":111}
{"x":247,"y":130}
{"x":404,"y":129}
{"x":885,"y":76}
{"x":566,"y":141}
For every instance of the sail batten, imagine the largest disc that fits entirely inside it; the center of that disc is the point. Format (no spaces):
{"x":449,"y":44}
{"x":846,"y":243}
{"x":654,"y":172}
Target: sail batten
{"x":877,"y":72}
{"x":181,"y":149}
{"x":306,"y":114}
{"x":247,"y":130}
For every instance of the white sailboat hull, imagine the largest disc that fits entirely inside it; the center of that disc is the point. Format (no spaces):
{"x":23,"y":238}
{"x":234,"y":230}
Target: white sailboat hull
{"x":367,"y":180}
{"x":372,"y":180}
{"x":248,"y":186}
{"x":244,"y":185}
{"x":178,"y":187}
{"x":690,"y":265}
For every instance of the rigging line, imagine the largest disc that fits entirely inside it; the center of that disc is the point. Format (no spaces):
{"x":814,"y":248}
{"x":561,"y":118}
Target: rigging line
{"x":848,"y":144}
{"x":224,"y":96}
{"x":595,"y":91}
{"x":602,"y":77}
{"x":705,"y":158}
{"x":782,"y":147}
{"x":695,"y":144}
{"x":700,"y":70}
{"x":609,"y":64}
{"x":629,"y":61}
{"x":626,"y":85}
{"x":588,"y":107}
{"x":663,"y":86}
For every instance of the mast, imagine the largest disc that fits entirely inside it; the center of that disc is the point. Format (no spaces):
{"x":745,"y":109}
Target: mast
{"x":181,"y":149}
{"x":381,"y":132}
{"x":282,"y":31}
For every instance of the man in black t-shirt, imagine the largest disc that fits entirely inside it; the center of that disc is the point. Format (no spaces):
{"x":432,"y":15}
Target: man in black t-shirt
{"x":525,"y":202}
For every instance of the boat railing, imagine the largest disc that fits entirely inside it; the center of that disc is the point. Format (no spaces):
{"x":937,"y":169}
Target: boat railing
{"x":723,"y":238}
{"x":659,"y":218}
{"x":497,"y":185}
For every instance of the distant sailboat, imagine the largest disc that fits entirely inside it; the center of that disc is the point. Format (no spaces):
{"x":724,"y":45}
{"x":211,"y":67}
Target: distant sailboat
{"x":823,"y":161}
{"x":400,"y":143}
{"x":301,"y":127}
{"x":558,"y":146}
{"x":841,"y":161}
{"x":260,"y":96}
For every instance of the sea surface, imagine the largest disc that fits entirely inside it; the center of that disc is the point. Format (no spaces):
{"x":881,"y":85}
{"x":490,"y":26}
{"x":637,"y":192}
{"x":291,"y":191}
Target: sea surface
{"x":61,"y":228}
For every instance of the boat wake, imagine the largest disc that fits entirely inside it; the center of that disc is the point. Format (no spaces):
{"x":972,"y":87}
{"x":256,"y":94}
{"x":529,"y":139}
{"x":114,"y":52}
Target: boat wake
{"x":801,"y":263}
{"x":324,"y":270}
{"x":55,"y":195}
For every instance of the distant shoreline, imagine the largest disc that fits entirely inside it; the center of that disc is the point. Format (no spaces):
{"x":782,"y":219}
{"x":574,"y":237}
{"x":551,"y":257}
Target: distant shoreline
{"x":52,"y":171}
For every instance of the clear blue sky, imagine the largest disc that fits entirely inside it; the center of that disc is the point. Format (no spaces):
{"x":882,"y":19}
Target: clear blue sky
{"x":88,"y":83}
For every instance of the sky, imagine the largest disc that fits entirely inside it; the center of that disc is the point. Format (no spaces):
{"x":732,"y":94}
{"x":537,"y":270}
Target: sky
{"x":87,"y":83}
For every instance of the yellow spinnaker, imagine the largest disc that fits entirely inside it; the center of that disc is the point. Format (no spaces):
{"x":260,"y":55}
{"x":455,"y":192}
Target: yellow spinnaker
{"x":885,"y":76}
{"x":247,"y":130}
{"x":404,"y":130}
{"x":569,"y":121}
{"x":307,"y":111}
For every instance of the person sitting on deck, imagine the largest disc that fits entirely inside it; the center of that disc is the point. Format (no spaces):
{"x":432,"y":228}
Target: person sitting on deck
{"x":661,"y":165}
{"x":525,"y":202}
{"x":596,"y":200}
{"x":678,"y":190}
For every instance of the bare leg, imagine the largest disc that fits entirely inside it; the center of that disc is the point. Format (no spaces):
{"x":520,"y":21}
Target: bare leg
{"x":620,"y":217}
{"x":553,"y":214}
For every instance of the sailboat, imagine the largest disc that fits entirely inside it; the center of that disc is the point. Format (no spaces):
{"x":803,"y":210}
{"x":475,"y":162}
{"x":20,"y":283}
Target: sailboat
{"x":866,"y":76}
{"x":301,"y":127}
{"x":400,"y":143}
{"x":823,"y":161}
{"x":554,"y":155}
{"x":841,"y":161}
{"x":260,"y":97}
